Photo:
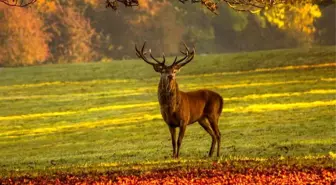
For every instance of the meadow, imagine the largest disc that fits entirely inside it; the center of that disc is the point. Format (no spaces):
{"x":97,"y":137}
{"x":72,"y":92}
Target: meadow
{"x":103,"y":116}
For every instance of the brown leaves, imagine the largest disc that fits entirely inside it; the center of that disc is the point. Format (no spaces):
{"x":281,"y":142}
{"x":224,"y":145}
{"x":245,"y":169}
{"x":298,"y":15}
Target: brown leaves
{"x":220,"y":173}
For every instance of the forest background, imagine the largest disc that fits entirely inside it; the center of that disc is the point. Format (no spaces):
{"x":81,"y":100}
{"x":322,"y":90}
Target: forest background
{"x":74,"y":31}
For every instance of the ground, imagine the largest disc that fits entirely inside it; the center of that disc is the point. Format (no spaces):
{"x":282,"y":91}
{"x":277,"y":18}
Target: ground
{"x":100,"y":122}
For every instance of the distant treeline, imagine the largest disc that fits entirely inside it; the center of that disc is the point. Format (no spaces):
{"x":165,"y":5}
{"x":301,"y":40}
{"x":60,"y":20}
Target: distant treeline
{"x":66,"y":31}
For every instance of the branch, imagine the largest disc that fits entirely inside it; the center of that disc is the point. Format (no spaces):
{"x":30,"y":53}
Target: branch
{"x":18,"y":3}
{"x":252,"y":6}
{"x":114,"y":3}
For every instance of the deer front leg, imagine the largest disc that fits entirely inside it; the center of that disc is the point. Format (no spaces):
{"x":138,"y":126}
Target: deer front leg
{"x":181,"y":135}
{"x":173,"y":138}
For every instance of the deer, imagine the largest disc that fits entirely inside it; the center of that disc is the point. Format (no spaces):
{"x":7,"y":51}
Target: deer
{"x":178,"y":108}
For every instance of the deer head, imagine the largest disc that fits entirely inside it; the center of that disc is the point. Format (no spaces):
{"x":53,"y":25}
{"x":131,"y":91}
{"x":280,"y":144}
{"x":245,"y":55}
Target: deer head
{"x":167,"y":72}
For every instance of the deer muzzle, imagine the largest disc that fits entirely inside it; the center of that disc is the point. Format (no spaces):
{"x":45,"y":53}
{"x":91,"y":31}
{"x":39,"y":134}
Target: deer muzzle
{"x":170,"y":77}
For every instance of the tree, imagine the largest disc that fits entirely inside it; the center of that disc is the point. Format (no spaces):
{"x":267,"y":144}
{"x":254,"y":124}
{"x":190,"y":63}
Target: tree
{"x":238,"y":5}
{"x":23,"y":40}
{"x":74,"y":34}
{"x":85,"y":30}
{"x":297,"y":18}
{"x":212,"y":5}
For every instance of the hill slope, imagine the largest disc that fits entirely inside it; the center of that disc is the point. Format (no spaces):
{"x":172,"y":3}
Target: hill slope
{"x":277,"y":103}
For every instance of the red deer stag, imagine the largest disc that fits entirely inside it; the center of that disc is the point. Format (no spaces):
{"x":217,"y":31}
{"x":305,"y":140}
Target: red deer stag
{"x":179,"y":108}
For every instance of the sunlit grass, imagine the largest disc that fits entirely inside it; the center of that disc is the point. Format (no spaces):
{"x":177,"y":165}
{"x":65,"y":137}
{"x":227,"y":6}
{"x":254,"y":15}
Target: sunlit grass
{"x":74,"y":96}
{"x":289,"y":94}
{"x":329,"y":141}
{"x":60,"y":83}
{"x":105,"y":81}
{"x":143,"y":117}
{"x":106,"y":115}
{"x":257,"y":84}
{"x":32,"y":116}
{"x":285,"y":68}
{"x":250,"y":108}
{"x":64,"y":127}
{"x":276,"y":107}
{"x":143,"y":90}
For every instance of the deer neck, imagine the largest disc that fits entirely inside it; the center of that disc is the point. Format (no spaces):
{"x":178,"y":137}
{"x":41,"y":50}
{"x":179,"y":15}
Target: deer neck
{"x":168,"y":94}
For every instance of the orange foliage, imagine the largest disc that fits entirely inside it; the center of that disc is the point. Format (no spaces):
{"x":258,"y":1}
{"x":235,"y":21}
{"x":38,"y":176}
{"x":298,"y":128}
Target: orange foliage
{"x":219,"y":173}
{"x":152,"y":7}
{"x":74,"y":35}
{"x":46,"y":6}
{"x":93,"y":3}
{"x":22,"y":36}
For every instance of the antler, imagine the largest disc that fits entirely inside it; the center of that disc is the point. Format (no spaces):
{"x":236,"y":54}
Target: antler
{"x":188,"y":56}
{"x":142,"y":55}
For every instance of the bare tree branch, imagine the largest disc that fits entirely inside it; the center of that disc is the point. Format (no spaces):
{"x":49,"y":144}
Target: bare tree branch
{"x":114,"y":3}
{"x":253,"y":5}
{"x":238,"y":5}
{"x":18,"y":3}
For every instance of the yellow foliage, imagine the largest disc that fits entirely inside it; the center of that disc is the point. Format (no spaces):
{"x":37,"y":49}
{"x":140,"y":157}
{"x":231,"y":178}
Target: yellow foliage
{"x":93,"y":3}
{"x":298,"y":19}
{"x":46,"y":6}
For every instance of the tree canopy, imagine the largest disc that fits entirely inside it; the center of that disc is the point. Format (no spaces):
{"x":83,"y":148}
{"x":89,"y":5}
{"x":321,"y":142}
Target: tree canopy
{"x":64,"y":31}
{"x":212,"y":5}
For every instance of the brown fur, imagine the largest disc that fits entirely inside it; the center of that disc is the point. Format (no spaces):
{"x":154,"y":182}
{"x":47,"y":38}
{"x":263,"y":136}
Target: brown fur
{"x":180,"y":109}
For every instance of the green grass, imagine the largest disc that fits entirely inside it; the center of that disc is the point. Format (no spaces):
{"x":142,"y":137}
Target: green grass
{"x":60,"y":116}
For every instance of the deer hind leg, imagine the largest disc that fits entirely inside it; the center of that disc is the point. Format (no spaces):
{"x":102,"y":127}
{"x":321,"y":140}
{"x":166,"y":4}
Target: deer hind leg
{"x":173,"y":138}
{"x":207,"y":127}
{"x":214,"y":125}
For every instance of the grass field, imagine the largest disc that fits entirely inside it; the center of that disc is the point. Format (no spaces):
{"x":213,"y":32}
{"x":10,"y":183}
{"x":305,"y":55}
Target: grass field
{"x":105,"y":115}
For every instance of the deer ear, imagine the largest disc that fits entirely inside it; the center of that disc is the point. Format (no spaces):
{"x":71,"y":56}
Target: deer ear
{"x":178,"y":67}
